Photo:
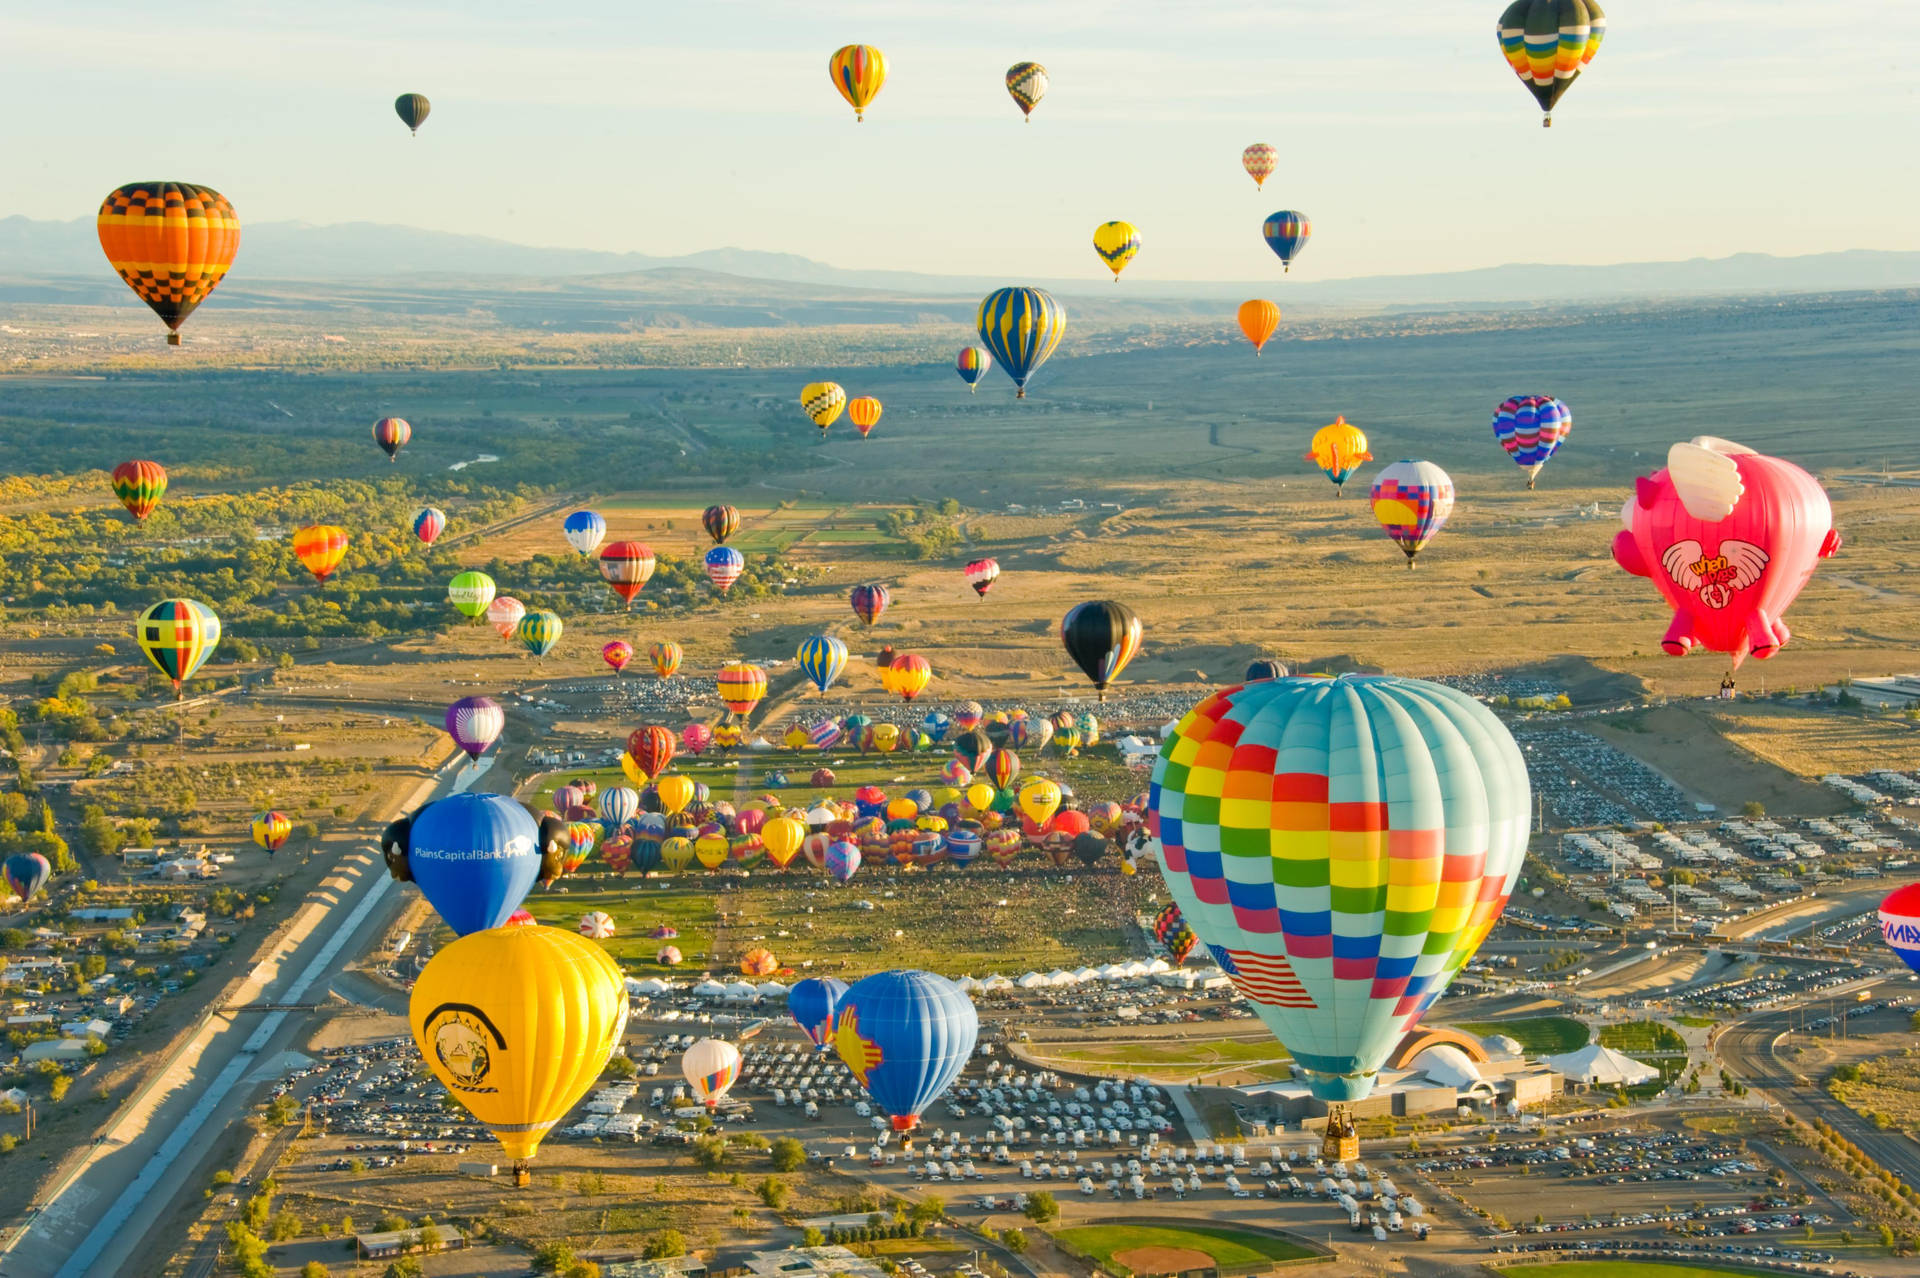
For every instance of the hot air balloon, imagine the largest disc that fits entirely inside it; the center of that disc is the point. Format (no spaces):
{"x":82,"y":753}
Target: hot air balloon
{"x":1548,"y":43}
{"x":584,"y":530}
{"x":1027,"y":84}
{"x":665,"y":657}
{"x":626,"y":566}
{"x":428,"y":523}
{"x":721,"y":522}
{"x":869,"y":601}
{"x":973,"y":747}
{"x":906,"y":1036}
{"x":1004,"y":767}
{"x":581,"y":836}
{"x":1260,"y":160}
{"x":1031,"y":733}
{"x":842,"y":861}
{"x":822,"y":402}
{"x":412,"y":108}
{"x":783,"y":836}
{"x":1039,"y":800}
{"x":597,"y":925}
{"x":1412,"y":500}
{"x":172,"y":243}
{"x":1341,"y":847}
{"x":617,"y":654}
{"x":676,"y":853}
{"x":981,"y":574}
{"x":822,"y":659}
{"x":1899,"y":922}
{"x":812,"y":1004}
{"x":475,"y":723}
{"x":517,"y":1023}
{"x":474,"y":857}
{"x":972,"y":365}
{"x":1116,"y":243}
{"x":652,"y":748}
{"x":471,"y":594}
{"x":139,"y":485}
{"x":504,"y":613}
{"x":25,"y":874}
{"x":1264,"y":668}
{"x":864,"y":413}
{"x":320,"y":548}
{"x":908,"y":676}
{"x":178,"y":635}
{"x":1286,"y":233}
{"x":967,"y":716}
{"x":1259,"y":319}
{"x":759,"y":961}
{"x":858,"y":71}
{"x":1338,"y":449}
{"x":742,"y":685}
{"x":710,"y":849}
{"x":675,"y":791}
{"x":1531,"y":428}
{"x":695,"y":738}
{"x":1729,"y":536}
{"x":271,"y":830}
{"x":669,"y":956}
{"x":724,"y":566}
{"x":1021,"y":326}
{"x":1101,"y":637}
{"x":392,"y":434}
{"x":710,"y":1066}
{"x":538,"y":632}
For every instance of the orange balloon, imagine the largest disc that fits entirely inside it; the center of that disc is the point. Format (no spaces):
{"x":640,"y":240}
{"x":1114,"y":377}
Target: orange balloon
{"x":320,"y":547}
{"x":172,"y":242}
{"x":864,"y":412}
{"x":1258,"y":320}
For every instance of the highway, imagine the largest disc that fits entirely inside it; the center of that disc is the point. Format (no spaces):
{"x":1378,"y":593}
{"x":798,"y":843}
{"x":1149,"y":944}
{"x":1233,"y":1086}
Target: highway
{"x":98,"y":1218}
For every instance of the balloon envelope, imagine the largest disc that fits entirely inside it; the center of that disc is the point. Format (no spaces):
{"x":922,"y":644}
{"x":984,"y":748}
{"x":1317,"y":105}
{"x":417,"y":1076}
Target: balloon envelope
{"x":139,"y":485}
{"x":1021,"y":327}
{"x":475,"y":723}
{"x":171,"y":242}
{"x":26,"y":873}
{"x":710,"y":1067}
{"x":475,"y":857}
{"x":1899,"y":923}
{"x":812,"y":1004}
{"x":584,"y":530}
{"x":906,"y":1035}
{"x":1412,"y":501}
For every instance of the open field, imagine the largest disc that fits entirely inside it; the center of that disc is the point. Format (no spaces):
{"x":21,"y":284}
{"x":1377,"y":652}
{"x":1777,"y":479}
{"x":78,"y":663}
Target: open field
{"x":1630,"y":1269}
{"x":1547,"y":1035}
{"x":1108,"y":1244}
{"x":1179,"y":1059}
{"x":1813,"y":744}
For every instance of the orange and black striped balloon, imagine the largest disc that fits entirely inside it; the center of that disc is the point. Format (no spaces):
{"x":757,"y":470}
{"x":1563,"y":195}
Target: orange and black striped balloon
{"x":172,"y":242}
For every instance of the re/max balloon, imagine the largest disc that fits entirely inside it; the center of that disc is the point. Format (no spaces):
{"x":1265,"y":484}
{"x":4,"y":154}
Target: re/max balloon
{"x":1340,"y":942}
{"x":812,"y":1004}
{"x":906,"y":1035}
{"x":1899,"y":923}
{"x":475,"y":857}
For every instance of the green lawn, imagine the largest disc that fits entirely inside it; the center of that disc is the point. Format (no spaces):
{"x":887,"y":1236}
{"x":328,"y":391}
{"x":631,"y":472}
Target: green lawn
{"x":1627,"y":1269}
{"x":636,"y":910}
{"x":1539,"y":1035}
{"x":1697,"y":1022}
{"x":1641,"y":1036}
{"x":1228,"y":1247}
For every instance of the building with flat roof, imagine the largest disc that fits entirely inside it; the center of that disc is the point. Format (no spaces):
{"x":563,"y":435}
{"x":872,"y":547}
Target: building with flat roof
{"x":794,"y":1262}
{"x":399,"y":1242}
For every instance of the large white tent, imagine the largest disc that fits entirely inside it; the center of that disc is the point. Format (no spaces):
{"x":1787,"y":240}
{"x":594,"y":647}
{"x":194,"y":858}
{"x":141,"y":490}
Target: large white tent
{"x":1603,"y":1066}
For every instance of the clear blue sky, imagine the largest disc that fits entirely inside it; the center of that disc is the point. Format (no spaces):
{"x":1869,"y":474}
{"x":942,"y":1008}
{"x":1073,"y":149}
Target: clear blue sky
{"x":1705,"y":127}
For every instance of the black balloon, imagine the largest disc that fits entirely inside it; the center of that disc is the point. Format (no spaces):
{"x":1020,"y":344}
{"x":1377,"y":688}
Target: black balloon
{"x":1265,"y":668}
{"x":412,"y":109}
{"x":1102,"y":638}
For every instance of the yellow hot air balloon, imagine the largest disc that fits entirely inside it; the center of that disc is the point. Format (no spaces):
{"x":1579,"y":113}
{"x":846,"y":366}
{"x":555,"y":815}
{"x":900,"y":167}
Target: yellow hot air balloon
{"x":1040,"y":799}
{"x":675,"y":791}
{"x":633,"y":771}
{"x":676,"y":853}
{"x":980,"y":797}
{"x":1338,"y":449}
{"x":783,"y":836}
{"x":1116,"y":243}
{"x":517,"y":1022}
{"x":711,"y":850}
{"x":822,"y":402}
{"x":858,"y":71}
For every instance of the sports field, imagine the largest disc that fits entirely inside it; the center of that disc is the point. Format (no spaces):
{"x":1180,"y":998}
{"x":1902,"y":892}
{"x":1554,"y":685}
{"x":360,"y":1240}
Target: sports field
{"x":1540,"y":1035}
{"x":1127,"y":1246}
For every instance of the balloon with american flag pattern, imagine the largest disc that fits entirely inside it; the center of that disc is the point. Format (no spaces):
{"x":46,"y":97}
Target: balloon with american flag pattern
{"x":1342,"y":847}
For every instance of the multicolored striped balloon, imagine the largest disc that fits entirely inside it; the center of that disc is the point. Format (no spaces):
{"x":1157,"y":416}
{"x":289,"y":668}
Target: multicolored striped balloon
{"x":392,"y":434}
{"x":665,"y":656}
{"x":1021,"y":327}
{"x":1101,"y":637}
{"x":139,"y":485}
{"x":972,"y":365}
{"x":1260,"y":160}
{"x":981,"y":574}
{"x":627,"y":566}
{"x":428,"y":523}
{"x":858,"y":71}
{"x":320,"y":548}
{"x":864,"y":412}
{"x":1531,"y":428}
{"x":171,"y":242}
{"x":538,"y":632}
{"x":271,"y":830}
{"x":824,"y":735}
{"x":869,"y":601}
{"x":742,"y":685}
{"x":1548,"y":43}
{"x":1287,"y":233}
{"x":1342,"y":847}
{"x":1412,"y":500}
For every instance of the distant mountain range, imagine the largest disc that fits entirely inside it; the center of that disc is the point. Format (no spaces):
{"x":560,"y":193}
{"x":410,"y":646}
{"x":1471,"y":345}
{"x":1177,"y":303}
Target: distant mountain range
{"x":42,"y":251}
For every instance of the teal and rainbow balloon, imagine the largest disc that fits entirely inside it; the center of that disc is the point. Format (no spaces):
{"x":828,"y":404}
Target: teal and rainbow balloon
{"x":1412,"y":500}
{"x":1531,"y":428}
{"x":1020,"y":327}
{"x":1548,"y":43}
{"x":822,"y":659}
{"x":1341,"y":846}
{"x":972,"y":365}
{"x":1287,"y":233}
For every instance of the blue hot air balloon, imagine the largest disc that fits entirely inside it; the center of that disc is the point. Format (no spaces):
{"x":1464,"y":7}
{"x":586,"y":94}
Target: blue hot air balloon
{"x":936,"y":725}
{"x":906,"y":1035}
{"x":963,"y":842}
{"x":1286,"y":233}
{"x":25,"y":873}
{"x":475,"y":857}
{"x":822,"y":659}
{"x":1021,"y":326}
{"x":812,"y":1004}
{"x":585,"y":530}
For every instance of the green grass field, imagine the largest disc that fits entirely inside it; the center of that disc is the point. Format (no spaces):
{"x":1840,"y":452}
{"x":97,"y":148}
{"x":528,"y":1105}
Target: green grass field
{"x":636,"y":910}
{"x":1227,"y":1247}
{"x":1178,"y":1058}
{"x":1641,"y":1036}
{"x":1546,"y":1035}
{"x":1627,"y":1269}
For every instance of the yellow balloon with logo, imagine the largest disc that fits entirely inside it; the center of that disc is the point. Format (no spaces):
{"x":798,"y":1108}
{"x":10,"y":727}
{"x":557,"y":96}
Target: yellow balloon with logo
{"x":676,"y":853}
{"x":633,"y":771}
{"x":711,"y":850}
{"x":1039,"y":799}
{"x":675,"y":791}
{"x":980,"y":797}
{"x":517,"y":1023}
{"x":783,"y":836}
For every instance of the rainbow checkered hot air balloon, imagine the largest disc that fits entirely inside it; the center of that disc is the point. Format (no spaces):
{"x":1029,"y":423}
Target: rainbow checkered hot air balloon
{"x":1342,"y":847}
{"x":178,"y":635}
{"x":1412,"y":500}
{"x":1531,"y":428}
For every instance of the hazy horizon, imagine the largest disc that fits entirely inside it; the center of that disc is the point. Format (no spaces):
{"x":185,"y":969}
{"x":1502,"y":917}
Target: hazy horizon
{"x":695,"y":129}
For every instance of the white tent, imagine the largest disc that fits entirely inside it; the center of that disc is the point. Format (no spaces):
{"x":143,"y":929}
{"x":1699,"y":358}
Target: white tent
{"x":1087,"y":974}
{"x":1031,"y":981}
{"x":759,"y":743}
{"x":649,"y":987}
{"x":1137,"y":967}
{"x":968,"y":985}
{"x":1167,"y":729}
{"x":1602,"y":1065}
{"x":709,"y":989}
{"x":1159,"y":965}
{"x":996,"y":982}
{"x":1135,"y":745}
{"x":741,"y":992}
{"x":771,"y":989}
{"x":1112,"y":971}
{"x":1060,"y":976}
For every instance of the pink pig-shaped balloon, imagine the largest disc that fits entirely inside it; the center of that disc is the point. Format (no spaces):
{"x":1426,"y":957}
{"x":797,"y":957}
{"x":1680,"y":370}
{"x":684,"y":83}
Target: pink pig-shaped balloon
{"x":1729,"y":536}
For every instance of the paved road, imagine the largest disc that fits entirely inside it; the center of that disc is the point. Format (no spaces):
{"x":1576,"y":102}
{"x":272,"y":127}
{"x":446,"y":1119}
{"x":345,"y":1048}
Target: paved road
{"x":206,"y":1257}
{"x":98,"y":1219}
